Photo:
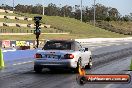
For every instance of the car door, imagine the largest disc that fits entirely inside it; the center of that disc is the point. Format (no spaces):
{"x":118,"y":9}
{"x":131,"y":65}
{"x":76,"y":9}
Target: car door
{"x":82,"y":53}
{"x":87,"y":55}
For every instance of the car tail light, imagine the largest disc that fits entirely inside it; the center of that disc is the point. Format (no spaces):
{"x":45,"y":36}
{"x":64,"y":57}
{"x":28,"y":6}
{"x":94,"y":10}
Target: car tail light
{"x":69,"y":56}
{"x":38,"y":55}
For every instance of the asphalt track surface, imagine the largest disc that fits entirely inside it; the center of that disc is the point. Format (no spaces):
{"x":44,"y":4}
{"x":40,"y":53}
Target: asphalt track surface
{"x":108,"y":58}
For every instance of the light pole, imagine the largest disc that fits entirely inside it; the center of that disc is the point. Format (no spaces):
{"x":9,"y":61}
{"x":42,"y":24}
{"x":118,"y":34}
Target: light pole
{"x":81,"y":10}
{"x":13,"y":6}
{"x":94,"y":12}
{"x":43,"y":8}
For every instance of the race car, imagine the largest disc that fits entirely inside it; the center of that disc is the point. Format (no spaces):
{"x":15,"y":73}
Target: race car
{"x":62,"y":54}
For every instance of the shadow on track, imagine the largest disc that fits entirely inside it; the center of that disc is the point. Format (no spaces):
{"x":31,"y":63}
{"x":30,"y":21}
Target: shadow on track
{"x":55,"y":71}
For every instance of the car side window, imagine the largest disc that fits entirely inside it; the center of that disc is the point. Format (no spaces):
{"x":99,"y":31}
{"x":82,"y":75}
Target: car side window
{"x":78,"y":47}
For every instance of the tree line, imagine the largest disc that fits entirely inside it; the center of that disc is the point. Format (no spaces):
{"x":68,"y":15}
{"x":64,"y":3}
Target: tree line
{"x":102,"y":12}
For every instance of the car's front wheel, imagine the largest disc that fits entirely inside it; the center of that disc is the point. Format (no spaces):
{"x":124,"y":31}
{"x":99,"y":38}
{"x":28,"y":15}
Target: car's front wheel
{"x":89,"y":65}
{"x":37,"y":69}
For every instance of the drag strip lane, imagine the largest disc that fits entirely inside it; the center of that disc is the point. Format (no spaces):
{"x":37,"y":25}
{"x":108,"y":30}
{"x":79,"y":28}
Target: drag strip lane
{"x":97,"y":60}
{"x":114,"y":67}
{"x":26,"y":78}
{"x":23,"y":76}
{"x":29,"y":79}
{"x":111,"y":56}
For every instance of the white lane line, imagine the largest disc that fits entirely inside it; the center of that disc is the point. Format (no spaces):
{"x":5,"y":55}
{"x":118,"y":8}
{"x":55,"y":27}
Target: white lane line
{"x":107,"y":45}
{"x":126,"y":43}
{"x":111,"y":44}
{"x":102,"y":44}
{"x":95,"y":47}
{"x":118,"y":44}
{"x":23,"y":63}
{"x":8,"y":50}
{"x":99,"y":45}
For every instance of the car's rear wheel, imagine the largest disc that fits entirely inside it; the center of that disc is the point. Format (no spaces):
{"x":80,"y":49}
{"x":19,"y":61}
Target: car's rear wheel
{"x":89,"y":65}
{"x":37,"y":69}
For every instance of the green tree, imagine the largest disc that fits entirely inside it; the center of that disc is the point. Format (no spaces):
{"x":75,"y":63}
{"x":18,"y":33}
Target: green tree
{"x":113,"y":13}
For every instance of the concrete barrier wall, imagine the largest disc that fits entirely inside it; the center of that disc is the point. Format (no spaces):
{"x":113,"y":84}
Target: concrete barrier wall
{"x":29,"y":19}
{"x":14,"y":17}
{"x":1,"y":23}
{"x":42,"y":26}
{"x":23,"y":18}
{"x":2,"y":11}
{"x":23,"y":25}
{"x":19,"y":25}
{"x":16,"y":24}
{"x":11,"y":24}
{"x":8,"y":11}
{"x":4,"y":24}
{"x":10,"y":17}
{"x":31,"y":25}
{"x":20,"y":18}
{"x":47,"y":26}
{"x":2,"y":16}
{"x":99,"y":40}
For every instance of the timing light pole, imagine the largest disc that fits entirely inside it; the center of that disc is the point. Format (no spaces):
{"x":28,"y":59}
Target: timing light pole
{"x":94,"y":12}
{"x":81,"y":10}
{"x":37,"y":30}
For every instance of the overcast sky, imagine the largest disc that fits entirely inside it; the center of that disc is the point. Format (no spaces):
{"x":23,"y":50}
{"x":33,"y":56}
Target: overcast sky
{"x":123,"y":6}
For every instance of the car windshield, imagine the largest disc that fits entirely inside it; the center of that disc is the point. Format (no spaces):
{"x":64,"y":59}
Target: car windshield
{"x":57,"y":45}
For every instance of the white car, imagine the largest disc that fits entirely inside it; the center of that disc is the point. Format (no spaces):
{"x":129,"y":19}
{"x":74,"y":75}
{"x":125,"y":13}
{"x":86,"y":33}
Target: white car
{"x":62,"y":54}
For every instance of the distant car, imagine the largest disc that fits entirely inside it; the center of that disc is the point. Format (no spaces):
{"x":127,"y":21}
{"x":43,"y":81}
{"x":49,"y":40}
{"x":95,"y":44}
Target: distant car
{"x":62,"y":54}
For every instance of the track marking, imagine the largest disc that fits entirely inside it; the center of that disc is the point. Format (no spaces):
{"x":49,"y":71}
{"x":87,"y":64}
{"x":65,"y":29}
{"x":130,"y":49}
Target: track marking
{"x":23,"y":63}
{"x":107,"y":45}
{"x":9,"y":50}
{"x":104,"y":44}
{"x":117,"y":44}
{"x":126,"y":43}
{"x":99,"y":46}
